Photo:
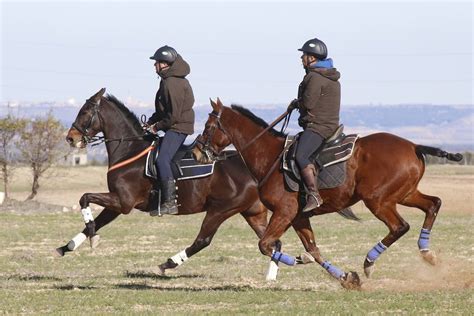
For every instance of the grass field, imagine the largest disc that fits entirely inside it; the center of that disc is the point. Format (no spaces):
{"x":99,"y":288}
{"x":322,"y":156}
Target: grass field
{"x":228,"y":277}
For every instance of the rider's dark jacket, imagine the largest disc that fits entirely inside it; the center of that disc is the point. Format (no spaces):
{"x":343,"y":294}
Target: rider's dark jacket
{"x":320,"y":100}
{"x":174,"y":100}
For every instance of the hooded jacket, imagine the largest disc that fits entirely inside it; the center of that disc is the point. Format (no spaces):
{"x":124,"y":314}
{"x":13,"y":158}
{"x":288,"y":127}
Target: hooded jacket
{"x":174,"y":100}
{"x":320,"y":100}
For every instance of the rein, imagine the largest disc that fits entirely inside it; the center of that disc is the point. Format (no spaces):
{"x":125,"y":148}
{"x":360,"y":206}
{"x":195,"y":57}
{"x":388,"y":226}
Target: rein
{"x":209,"y":151}
{"x":97,"y":140}
{"x":207,"y":148}
{"x":130,"y":160}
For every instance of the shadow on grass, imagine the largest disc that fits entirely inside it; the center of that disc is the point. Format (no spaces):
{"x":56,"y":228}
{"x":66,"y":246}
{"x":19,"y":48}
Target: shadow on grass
{"x":32,"y":277}
{"x":70,"y":287}
{"x":223,"y":288}
{"x":145,"y":274}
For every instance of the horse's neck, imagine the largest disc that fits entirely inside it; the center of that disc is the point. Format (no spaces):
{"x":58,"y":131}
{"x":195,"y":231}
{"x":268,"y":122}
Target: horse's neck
{"x":262,"y":153}
{"x":117,"y":128}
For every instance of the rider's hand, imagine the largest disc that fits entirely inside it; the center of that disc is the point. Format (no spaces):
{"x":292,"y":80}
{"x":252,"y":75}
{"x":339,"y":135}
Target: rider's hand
{"x":293,"y":105}
{"x":151,"y":129}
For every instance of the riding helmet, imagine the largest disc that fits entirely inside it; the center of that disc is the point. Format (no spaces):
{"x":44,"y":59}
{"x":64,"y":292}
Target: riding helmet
{"x":166,"y":53}
{"x":316,"y":48}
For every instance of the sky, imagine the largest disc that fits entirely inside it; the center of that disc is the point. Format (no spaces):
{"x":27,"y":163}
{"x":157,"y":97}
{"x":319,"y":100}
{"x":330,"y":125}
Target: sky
{"x":388,"y":52}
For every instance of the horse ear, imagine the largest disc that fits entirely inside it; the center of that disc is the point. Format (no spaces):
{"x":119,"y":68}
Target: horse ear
{"x":213,"y":104}
{"x":219,"y":103}
{"x":98,"y":95}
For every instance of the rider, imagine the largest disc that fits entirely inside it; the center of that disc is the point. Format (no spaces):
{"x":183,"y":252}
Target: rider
{"x":319,"y":100}
{"x":174,"y":115}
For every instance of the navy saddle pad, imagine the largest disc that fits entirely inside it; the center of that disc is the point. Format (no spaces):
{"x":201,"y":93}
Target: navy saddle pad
{"x":183,"y":165}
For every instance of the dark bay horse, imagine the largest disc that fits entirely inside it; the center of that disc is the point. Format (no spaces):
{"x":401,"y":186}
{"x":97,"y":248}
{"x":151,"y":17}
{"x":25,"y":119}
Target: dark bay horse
{"x":384,"y":171}
{"x":228,"y":191}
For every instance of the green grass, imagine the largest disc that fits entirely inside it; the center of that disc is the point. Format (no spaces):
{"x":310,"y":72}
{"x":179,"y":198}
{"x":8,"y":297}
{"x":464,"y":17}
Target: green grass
{"x":228,"y":277}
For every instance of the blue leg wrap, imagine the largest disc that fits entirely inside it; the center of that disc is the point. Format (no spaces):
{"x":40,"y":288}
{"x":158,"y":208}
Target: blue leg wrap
{"x":333,"y":270}
{"x":424,"y":240}
{"x":283,"y":257}
{"x":375,"y":252}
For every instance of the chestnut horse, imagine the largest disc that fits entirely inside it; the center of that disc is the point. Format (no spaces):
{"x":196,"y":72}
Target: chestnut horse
{"x":228,"y":191}
{"x":383,"y":171}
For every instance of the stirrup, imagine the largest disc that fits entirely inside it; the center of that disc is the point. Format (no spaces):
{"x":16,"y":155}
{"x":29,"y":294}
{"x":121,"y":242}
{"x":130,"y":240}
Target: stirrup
{"x":318,"y":201}
{"x":169,"y":208}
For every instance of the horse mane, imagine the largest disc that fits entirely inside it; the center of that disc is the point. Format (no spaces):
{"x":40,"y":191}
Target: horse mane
{"x":126,"y":111}
{"x":257,"y":120}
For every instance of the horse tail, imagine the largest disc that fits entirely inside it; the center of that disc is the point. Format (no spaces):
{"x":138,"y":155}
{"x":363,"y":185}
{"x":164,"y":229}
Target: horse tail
{"x":348,"y":214}
{"x":437,"y":152}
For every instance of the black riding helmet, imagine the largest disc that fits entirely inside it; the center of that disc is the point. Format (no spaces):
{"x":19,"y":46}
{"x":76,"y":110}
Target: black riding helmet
{"x":166,"y":53}
{"x":316,"y":48}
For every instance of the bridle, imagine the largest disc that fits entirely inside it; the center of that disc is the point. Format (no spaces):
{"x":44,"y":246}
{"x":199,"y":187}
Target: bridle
{"x":213,"y":155}
{"x":85,"y":131}
{"x":207,"y":150}
{"x":96,"y":140}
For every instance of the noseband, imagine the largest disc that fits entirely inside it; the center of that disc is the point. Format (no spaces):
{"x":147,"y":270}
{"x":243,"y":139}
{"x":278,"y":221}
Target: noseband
{"x":207,"y":149}
{"x":85,"y":131}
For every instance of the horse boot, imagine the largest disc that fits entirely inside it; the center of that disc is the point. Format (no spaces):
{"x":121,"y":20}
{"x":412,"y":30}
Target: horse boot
{"x":313,"y":199}
{"x":169,"y":203}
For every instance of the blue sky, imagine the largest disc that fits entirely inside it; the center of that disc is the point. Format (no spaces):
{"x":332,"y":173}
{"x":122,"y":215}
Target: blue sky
{"x":245,"y":52}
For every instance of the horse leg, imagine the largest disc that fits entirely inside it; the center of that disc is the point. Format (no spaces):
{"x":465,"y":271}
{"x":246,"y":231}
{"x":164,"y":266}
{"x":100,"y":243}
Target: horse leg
{"x":105,"y":217}
{"x":397,"y":226}
{"x":430,"y":205}
{"x":211,"y":223}
{"x":256,"y":217}
{"x":302,"y":226}
{"x":270,"y":244}
{"x":108,"y":200}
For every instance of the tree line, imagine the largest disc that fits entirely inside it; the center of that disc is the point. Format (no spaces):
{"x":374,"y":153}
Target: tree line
{"x":38,"y":143}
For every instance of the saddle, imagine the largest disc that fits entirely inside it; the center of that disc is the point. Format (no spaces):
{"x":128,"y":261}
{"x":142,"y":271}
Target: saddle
{"x":183,"y":165}
{"x":330,"y":158}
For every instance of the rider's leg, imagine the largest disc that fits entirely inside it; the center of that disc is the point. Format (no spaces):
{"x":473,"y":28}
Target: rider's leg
{"x":309,"y":142}
{"x":169,"y":146}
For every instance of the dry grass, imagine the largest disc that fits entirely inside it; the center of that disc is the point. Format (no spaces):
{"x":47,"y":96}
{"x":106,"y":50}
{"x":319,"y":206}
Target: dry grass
{"x":119,"y":276}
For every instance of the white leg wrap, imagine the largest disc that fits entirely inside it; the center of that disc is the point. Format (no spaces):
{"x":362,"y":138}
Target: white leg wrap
{"x":272,"y":271}
{"x":76,"y":241}
{"x":87,"y":215}
{"x":179,"y":258}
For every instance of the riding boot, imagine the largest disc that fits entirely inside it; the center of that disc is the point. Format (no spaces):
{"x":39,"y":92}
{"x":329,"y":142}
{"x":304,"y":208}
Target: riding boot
{"x":313,"y":199}
{"x":169,"y":203}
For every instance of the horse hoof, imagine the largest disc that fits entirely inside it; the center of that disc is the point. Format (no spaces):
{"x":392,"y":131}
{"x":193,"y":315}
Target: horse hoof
{"x":161,"y":270}
{"x":95,"y":241}
{"x":58,"y":252}
{"x":369,"y":268}
{"x":351,"y":281}
{"x":430,"y":257}
{"x":305,"y":258}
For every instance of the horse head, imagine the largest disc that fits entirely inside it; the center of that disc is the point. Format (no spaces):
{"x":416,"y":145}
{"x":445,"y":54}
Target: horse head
{"x":87,"y":123}
{"x":214,"y":138}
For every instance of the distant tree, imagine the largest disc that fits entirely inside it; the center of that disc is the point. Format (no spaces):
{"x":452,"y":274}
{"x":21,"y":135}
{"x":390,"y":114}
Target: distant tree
{"x":41,"y":145}
{"x":10,"y":129}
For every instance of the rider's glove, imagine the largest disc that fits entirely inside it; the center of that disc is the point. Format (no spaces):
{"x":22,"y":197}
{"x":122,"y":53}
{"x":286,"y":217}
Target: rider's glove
{"x":293,"y":105}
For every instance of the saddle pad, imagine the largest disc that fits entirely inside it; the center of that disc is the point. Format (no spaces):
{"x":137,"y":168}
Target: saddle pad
{"x":329,"y":177}
{"x":340,"y":152}
{"x":184,"y":169}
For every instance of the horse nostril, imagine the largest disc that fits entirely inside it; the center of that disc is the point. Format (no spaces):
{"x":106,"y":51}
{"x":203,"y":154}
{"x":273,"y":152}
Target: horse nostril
{"x":69,"y":139}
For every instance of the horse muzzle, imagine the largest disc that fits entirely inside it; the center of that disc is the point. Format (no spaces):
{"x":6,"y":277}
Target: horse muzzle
{"x":75,"y":139}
